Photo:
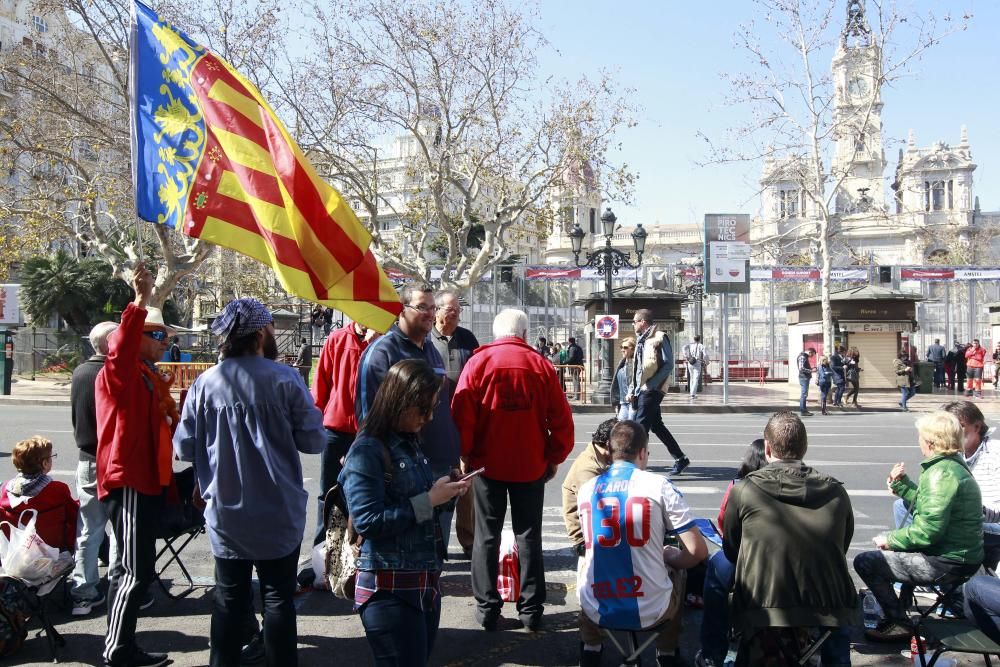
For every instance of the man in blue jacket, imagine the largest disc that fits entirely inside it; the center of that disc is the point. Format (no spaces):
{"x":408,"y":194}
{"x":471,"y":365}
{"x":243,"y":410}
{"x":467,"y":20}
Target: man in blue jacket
{"x":409,"y":338}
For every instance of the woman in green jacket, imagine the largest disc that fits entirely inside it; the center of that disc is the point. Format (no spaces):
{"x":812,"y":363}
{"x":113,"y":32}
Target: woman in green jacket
{"x":943,"y":544}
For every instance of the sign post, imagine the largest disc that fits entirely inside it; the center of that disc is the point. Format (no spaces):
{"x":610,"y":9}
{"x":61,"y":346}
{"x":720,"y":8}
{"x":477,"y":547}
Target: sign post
{"x":727,"y":271}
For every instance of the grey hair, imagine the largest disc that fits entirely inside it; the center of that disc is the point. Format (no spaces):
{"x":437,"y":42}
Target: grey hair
{"x":510,"y":322}
{"x":99,"y":336}
{"x":442,"y":293}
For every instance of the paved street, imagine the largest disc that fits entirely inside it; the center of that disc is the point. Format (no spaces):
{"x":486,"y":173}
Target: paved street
{"x":857,"y":448}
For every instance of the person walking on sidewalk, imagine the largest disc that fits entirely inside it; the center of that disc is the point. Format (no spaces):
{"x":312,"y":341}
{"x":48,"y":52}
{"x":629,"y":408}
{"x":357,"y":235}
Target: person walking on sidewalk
{"x":804,"y":364}
{"x":135,"y":417}
{"x":852,"y":373}
{"x":904,"y":379}
{"x":824,"y":380}
{"x":975,"y":357}
{"x":574,"y":357}
{"x":697,"y":360}
{"x":455,"y":344}
{"x":93,"y":517}
{"x":620,"y":383}
{"x":838,"y":364}
{"x":654,"y":361}
{"x":245,"y":422}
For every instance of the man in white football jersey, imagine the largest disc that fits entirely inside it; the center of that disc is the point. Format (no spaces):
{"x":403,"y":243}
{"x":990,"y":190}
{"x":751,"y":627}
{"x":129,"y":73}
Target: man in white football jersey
{"x":624,"y":577}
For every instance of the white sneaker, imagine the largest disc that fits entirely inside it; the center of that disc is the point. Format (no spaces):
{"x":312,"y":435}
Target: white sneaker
{"x":84,"y":607}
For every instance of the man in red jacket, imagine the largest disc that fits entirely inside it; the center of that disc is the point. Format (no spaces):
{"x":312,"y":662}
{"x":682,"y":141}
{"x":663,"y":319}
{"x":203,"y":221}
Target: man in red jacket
{"x":333,"y":393}
{"x":514,"y":420}
{"x":135,"y":416}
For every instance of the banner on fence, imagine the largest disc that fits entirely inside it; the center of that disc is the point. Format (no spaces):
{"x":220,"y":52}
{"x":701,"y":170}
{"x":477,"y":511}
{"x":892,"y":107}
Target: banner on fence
{"x":10,"y":311}
{"x":937,"y":273}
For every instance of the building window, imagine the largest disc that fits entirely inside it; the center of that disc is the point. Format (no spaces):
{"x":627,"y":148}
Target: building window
{"x":951,"y":195}
{"x":859,"y":143}
{"x":937,"y":199}
{"x":39,"y":23}
{"x":788,"y":203}
{"x":593,"y":221}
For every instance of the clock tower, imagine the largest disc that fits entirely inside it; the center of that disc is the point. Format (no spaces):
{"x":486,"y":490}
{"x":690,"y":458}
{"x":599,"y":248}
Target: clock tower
{"x":858,"y":158}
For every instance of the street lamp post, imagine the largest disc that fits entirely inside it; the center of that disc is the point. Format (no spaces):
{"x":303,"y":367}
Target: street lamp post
{"x":608,"y":261}
{"x":695,"y":291}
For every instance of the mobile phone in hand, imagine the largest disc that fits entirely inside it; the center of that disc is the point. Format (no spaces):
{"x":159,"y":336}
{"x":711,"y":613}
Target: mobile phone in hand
{"x":472,"y":474}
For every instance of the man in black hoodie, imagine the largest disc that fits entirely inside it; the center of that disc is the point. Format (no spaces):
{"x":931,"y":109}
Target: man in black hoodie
{"x":787,"y":528}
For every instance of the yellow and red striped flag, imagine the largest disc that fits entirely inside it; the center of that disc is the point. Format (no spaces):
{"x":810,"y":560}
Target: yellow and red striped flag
{"x":211,"y":158}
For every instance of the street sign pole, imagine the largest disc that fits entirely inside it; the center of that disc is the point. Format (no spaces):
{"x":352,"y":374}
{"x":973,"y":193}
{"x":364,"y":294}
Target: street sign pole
{"x":724,"y":301}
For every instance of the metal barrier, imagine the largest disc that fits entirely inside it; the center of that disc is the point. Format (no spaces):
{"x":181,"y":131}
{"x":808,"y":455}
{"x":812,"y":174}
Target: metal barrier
{"x":561,"y":370}
{"x":184,"y":372}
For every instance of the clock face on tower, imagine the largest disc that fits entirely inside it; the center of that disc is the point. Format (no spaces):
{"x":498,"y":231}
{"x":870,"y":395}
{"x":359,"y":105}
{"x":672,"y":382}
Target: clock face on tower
{"x":857,"y":87}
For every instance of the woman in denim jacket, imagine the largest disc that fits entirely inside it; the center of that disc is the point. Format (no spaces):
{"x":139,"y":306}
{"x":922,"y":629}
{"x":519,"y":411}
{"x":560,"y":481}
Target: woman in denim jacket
{"x":392,"y":498}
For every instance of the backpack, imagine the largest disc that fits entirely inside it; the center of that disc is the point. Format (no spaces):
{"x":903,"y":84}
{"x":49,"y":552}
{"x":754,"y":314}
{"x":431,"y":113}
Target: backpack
{"x":342,"y":546}
{"x":13,"y":616}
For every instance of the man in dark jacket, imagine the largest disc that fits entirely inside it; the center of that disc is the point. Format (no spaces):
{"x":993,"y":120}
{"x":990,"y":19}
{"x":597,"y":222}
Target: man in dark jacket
{"x":788,"y":527}
{"x":574,"y":357}
{"x":803,"y":363}
{"x":304,"y":360}
{"x":93,"y":517}
{"x":410,"y":338}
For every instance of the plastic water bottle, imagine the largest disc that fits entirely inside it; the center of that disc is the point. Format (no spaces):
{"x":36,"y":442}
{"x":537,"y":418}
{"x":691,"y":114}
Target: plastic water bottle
{"x":872,"y":610}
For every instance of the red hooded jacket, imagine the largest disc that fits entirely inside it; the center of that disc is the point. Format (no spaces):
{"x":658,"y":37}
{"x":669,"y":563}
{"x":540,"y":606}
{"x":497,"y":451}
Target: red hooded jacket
{"x":128,"y":414}
{"x":511,"y":412}
{"x":337,"y":377}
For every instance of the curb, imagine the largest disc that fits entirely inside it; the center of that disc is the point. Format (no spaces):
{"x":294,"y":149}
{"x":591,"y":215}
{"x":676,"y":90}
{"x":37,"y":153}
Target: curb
{"x":49,"y":402}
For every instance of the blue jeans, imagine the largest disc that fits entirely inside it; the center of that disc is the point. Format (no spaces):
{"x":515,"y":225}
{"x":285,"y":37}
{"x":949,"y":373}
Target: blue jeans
{"x":906,"y":393}
{"x":938,"y":373}
{"x":804,"y":386}
{"x":982,"y":604}
{"x":398,"y":633}
{"x":234,"y":596}
{"x":719,"y":577}
{"x":90,"y":530}
{"x":836,"y":650}
{"x":838,"y":392}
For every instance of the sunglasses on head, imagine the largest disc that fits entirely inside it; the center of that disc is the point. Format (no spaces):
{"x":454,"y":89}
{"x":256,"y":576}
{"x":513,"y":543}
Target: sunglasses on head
{"x":159,"y":335}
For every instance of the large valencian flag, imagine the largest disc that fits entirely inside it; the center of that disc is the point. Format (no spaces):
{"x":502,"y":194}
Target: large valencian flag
{"x":211,"y":158}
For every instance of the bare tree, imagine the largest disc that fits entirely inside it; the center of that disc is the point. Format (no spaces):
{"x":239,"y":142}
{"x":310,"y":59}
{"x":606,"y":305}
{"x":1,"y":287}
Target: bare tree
{"x":64,"y":131}
{"x":804,"y":115}
{"x":485,"y":141}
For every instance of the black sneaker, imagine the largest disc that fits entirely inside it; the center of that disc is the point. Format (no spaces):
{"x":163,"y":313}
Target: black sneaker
{"x":806,"y":414}
{"x":889,"y":632}
{"x":531,"y":623}
{"x":488,"y":621}
{"x":590,"y":658}
{"x":679,"y":465}
{"x":253,"y":652}
{"x":141,"y":659}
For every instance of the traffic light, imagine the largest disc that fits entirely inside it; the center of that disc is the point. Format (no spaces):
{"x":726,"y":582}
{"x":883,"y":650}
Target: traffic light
{"x":885,"y":274}
{"x":506,"y":274}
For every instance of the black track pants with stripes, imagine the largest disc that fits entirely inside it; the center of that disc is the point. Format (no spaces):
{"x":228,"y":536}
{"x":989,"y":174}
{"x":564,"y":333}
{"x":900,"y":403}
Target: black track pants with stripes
{"x":134,"y":519}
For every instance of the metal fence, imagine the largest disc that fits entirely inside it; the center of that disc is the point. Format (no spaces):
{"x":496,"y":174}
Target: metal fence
{"x":46,"y":350}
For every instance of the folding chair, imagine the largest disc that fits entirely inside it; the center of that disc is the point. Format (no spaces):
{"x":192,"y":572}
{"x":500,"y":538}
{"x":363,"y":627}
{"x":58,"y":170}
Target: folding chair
{"x":955,"y":636}
{"x":631,"y":649}
{"x":180,"y":524}
{"x":947,"y":595}
{"x":784,"y":642}
{"x":34,"y":604}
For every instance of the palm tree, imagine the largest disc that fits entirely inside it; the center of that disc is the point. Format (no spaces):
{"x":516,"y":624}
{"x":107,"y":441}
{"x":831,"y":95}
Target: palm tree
{"x":59,"y":284}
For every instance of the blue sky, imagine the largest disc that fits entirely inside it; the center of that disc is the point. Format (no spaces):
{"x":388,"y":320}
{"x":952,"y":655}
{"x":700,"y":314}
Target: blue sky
{"x":672,"y":52}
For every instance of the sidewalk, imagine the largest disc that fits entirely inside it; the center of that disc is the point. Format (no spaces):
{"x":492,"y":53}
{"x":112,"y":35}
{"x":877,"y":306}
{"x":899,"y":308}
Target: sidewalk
{"x":53,"y":390}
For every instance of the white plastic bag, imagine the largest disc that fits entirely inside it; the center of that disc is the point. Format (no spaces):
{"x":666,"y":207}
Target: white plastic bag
{"x":25,"y":555}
